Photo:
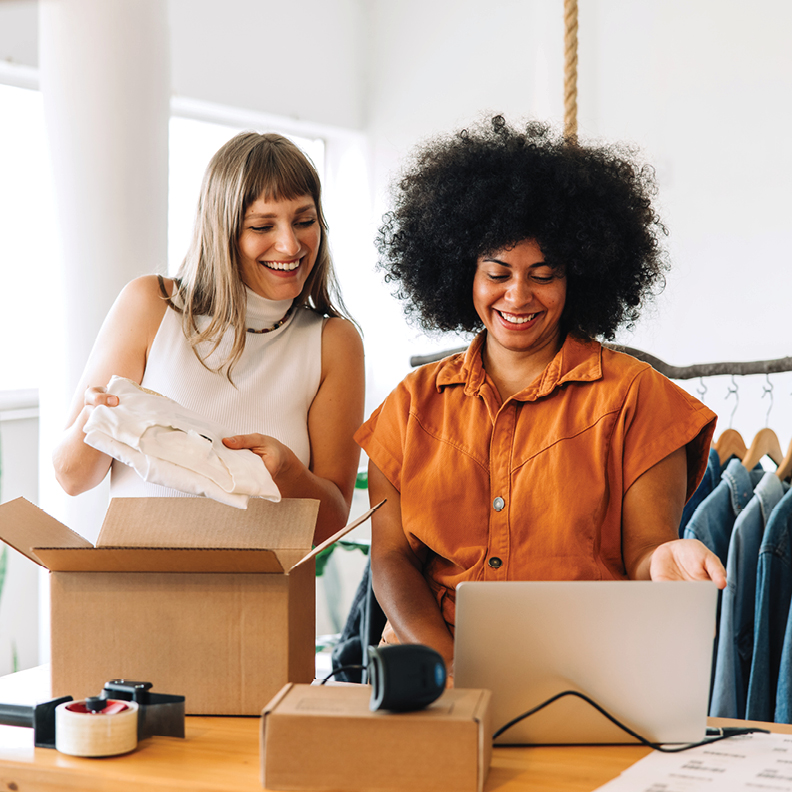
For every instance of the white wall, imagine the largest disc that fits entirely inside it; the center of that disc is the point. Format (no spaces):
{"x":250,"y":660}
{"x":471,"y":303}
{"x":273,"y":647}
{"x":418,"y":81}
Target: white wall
{"x":305,"y":61}
{"x":705,"y":88}
{"x":301,"y":60}
{"x":19,"y":32}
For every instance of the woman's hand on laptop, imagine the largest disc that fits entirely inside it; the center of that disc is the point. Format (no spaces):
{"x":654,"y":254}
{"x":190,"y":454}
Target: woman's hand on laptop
{"x":686,"y":559}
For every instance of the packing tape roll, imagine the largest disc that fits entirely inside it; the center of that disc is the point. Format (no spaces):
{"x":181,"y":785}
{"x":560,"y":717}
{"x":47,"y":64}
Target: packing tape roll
{"x":112,"y":731}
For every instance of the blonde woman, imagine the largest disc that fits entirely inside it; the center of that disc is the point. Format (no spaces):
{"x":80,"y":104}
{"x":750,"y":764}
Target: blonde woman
{"x":251,"y":333}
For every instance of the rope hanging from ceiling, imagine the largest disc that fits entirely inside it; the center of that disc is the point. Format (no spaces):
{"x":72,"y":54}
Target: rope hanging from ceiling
{"x":570,"y":67}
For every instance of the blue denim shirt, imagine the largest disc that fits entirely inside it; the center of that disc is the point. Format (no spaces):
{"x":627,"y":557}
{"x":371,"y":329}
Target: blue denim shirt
{"x":713,"y":520}
{"x":736,"y":632}
{"x":712,"y":475}
{"x":773,"y":594}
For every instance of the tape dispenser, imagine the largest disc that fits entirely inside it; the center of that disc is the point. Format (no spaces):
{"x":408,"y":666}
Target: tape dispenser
{"x":109,"y":724}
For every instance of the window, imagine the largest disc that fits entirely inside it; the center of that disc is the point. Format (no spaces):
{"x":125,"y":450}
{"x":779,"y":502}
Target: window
{"x":28,"y":236}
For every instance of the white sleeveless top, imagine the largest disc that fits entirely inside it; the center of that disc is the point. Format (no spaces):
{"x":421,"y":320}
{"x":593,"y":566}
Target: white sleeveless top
{"x":276,"y":380}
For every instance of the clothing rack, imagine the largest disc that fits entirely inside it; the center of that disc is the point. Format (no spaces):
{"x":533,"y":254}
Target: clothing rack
{"x":672,"y":372}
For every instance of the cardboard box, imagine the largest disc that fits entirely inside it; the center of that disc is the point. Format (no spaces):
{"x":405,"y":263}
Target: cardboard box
{"x":203,"y":600}
{"x":323,"y":737}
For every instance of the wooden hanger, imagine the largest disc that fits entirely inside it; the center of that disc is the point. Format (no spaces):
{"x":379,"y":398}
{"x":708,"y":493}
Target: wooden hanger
{"x":730,"y":444}
{"x":785,"y":468}
{"x":764,"y":444}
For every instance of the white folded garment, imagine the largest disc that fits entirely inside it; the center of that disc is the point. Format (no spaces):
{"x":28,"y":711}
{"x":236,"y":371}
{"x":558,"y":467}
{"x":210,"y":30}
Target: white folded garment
{"x":168,"y":444}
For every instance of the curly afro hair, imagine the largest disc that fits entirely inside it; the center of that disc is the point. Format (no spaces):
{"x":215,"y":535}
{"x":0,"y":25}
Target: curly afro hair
{"x":489,"y":187}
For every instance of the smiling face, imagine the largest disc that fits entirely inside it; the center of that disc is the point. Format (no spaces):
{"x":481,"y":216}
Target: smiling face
{"x":278,"y":245}
{"x":520,"y":300}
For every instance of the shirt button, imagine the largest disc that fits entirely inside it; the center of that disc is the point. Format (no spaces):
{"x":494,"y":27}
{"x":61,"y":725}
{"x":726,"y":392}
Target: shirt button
{"x":498,"y":503}
{"x":495,"y":562}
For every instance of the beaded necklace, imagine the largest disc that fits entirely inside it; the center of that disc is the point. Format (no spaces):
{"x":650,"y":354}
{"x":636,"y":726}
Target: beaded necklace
{"x":276,"y":325}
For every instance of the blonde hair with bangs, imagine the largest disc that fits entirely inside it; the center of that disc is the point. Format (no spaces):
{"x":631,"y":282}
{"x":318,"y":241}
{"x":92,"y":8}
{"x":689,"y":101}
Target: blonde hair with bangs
{"x":247,"y":167}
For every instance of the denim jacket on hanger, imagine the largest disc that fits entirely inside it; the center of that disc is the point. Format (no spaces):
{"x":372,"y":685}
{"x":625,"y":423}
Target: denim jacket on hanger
{"x":773,"y":594}
{"x":783,"y":707}
{"x":736,"y":633}
{"x":712,"y":476}
{"x":713,"y":519}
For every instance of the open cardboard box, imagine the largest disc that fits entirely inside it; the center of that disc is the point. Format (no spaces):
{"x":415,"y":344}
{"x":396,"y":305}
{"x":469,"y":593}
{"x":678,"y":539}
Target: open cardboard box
{"x":325,"y":738}
{"x":203,"y":600}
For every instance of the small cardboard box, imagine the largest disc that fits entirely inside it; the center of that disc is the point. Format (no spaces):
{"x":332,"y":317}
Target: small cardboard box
{"x":325,"y":738}
{"x":202,"y":600}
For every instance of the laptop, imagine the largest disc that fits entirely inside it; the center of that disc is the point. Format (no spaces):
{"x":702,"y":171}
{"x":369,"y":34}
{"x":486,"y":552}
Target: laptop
{"x":641,"y":650}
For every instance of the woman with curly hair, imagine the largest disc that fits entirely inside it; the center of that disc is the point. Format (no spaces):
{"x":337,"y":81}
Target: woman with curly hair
{"x":537,"y":454}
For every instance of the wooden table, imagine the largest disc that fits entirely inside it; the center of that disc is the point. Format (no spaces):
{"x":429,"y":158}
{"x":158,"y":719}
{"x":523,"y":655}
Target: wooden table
{"x":222,"y":753}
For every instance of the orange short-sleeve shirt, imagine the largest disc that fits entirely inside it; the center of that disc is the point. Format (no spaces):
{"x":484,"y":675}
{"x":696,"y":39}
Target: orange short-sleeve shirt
{"x":530,"y":488}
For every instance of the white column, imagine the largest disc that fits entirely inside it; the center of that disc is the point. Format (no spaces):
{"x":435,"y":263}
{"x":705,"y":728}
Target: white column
{"x":105,"y":81}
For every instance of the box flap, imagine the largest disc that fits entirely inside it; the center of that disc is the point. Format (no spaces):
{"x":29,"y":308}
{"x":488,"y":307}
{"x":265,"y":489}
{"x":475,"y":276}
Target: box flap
{"x":290,"y":558}
{"x":203,"y":522}
{"x":24,"y":526}
{"x":336,"y":536}
{"x":158,"y":559}
{"x":276,"y":699}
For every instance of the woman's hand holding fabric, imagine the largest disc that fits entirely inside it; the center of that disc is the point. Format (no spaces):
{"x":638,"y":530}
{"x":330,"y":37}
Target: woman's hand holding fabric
{"x":277,"y":457}
{"x":295,"y":480}
{"x":95,"y":395}
{"x":686,"y":559}
{"x":120,"y":349}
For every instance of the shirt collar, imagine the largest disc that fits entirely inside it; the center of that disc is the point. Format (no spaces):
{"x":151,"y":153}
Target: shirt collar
{"x":576,"y":361}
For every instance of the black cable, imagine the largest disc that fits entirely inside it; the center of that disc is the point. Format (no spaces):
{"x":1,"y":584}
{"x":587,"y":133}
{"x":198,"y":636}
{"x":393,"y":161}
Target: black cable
{"x":726,"y":733}
{"x":343,"y":668}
